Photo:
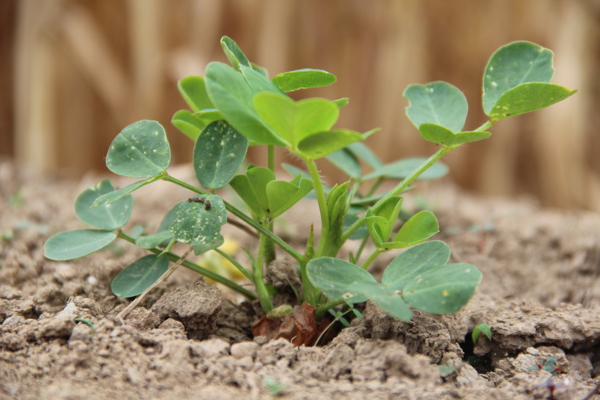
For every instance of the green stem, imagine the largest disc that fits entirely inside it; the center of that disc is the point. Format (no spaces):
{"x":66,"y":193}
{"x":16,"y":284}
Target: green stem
{"x":361,"y":248}
{"x":375,"y":186}
{"x":271,"y":157}
{"x":371,"y":258}
{"x":257,"y":272}
{"x":400,"y":187}
{"x":270,"y":246}
{"x":283,"y":245}
{"x":323,"y":308}
{"x":322,"y":201}
{"x":196,"y":268}
{"x":239,"y":266}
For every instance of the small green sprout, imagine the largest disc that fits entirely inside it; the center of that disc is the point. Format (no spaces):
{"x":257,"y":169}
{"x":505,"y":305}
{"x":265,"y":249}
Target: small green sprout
{"x":549,"y":366}
{"x":233,"y":107}
{"x":274,"y":387}
{"x":481,"y":328}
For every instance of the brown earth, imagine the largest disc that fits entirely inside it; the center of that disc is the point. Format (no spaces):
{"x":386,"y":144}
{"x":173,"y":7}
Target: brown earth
{"x":540,"y":295}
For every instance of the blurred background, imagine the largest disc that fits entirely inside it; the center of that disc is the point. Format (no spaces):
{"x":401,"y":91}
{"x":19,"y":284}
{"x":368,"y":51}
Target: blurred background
{"x":73,"y":73}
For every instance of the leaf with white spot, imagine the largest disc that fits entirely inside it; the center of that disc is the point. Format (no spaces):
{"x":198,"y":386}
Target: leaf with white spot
{"x":141,"y":150}
{"x":199,"y":221}
{"x":219,"y":152}
{"x":442,"y":290}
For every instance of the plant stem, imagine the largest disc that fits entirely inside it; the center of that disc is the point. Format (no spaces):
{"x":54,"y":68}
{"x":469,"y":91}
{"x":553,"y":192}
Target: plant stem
{"x":271,"y":157}
{"x":375,"y":186}
{"x":322,"y":200}
{"x":283,"y":245}
{"x":257,"y":272}
{"x":322,"y":309}
{"x":196,"y":268}
{"x":400,"y":187}
{"x":371,"y":258}
{"x":232,"y":260}
{"x":270,"y":247}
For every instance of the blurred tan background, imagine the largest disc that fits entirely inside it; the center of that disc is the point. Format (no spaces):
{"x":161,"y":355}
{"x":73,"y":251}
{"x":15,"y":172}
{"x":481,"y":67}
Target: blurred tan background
{"x":73,"y":73}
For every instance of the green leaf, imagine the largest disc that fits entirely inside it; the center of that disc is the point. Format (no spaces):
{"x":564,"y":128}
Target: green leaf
{"x":360,"y":150}
{"x":481,"y":328}
{"x":141,"y":150}
{"x":107,"y":217}
{"x":187,"y":123}
{"x":193,"y":91}
{"x":242,"y":186}
{"x":208,"y":115}
{"x":295,"y":121}
{"x":402,"y":168}
{"x":303,"y":79}
{"x":388,"y":300}
{"x":259,"y":178}
{"x":198,"y":223}
{"x":334,"y":278}
{"x":343,"y":102}
{"x":337,"y":205}
{"x":323,"y":143}
{"x":360,"y":233}
{"x":78,"y":243}
{"x":151,"y":241}
{"x":346,"y":162}
{"x":168,"y":219}
{"x":218,"y":154}
{"x":233,"y":52}
{"x":437,"y":102}
{"x":528,"y":97}
{"x":283,"y":195}
{"x":139,"y":276}
{"x":438,"y":134}
{"x":512,"y":65}
{"x":414,"y":261}
{"x":443,"y":290}
{"x":417,"y":229}
{"x":114,"y":195}
{"x":232,"y":95}
{"x":381,"y":221}
{"x":203,"y":248}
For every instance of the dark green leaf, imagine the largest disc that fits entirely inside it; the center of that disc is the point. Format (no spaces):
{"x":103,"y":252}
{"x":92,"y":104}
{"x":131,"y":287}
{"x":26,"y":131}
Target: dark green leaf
{"x":528,"y":97}
{"x":242,"y":186}
{"x":303,"y":79}
{"x":232,"y":95}
{"x":346,"y":162}
{"x":512,"y":65}
{"x":187,"y":124}
{"x":218,"y":154}
{"x":198,"y":223}
{"x":414,"y":261}
{"x":443,"y":290}
{"x":141,"y":150}
{"x":193,"y":91}
{"x":107,"y":217}
{"x":139,"y":276}
{"x":78,"y":243}
{"x":437,"y":102}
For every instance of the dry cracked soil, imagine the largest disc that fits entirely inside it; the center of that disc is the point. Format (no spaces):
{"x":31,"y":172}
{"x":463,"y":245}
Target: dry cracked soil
{"x":540,"y":295}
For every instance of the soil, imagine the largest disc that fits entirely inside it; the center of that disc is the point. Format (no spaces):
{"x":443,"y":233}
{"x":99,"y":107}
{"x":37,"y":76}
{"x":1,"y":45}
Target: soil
{"x":540,"y":296}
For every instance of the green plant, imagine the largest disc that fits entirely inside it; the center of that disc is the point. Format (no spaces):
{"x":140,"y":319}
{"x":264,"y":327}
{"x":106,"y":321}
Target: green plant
{"x":237,"y":106}
{"x":481,"y":328}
